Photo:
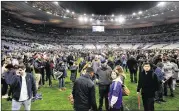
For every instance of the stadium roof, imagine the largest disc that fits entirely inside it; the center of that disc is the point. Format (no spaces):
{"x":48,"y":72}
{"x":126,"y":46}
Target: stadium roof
{"x":56,"y":13}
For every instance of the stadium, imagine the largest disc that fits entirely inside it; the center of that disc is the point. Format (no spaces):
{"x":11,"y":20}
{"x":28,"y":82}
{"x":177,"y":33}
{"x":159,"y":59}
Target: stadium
{"x":69,"y":52}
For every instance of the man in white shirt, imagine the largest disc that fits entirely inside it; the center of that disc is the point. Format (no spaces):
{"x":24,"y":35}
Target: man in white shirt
{"x":23,"y":85}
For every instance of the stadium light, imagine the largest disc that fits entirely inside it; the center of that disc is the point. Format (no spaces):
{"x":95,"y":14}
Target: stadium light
{"x":56,"y":3}
{"x":161,"y":4}
{"x":134,"y":14}
{"x":67,"y":11}
{"x":73,"y":12}
{"x":91,"y":19}
{"x":112,"y":15}
{"x":80,"y":19}
{"x":140,"y":12}
{"x":85,"y":19}
{"x":92,"y":14}
{"x":121,"y":19}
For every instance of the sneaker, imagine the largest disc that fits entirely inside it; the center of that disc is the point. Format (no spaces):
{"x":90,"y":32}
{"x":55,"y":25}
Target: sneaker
{"x":172,"y":95}
{"x":60,"y":90}
{"x":64,"y":88}
{"x":163,"y":100}
{"x":159,"y":102}
{"x":5,"y":96}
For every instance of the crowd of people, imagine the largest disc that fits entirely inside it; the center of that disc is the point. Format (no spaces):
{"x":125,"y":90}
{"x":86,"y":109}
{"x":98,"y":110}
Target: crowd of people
{"x":23,"y":73}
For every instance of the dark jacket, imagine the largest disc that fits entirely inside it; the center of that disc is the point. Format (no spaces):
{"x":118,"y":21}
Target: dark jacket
{"x":132,"y":63}
{"x":73,"y":70}
{"x":16,"y":83}
{"x":61,"y":68}
{"x":111,"y":64}
{"x":81,"y":65}
{"x":84,"y":93}
{"x":148,"y":83}
{"x":48,"y":68}
{"x":104,"y":75}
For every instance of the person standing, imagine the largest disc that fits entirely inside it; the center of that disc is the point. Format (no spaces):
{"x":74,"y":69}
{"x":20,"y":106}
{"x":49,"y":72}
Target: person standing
{"x":84,"y":92}
{"x":104,"y":80}
{"x":160,"y":75}
{"x":168,"y":73}
{"x":23,"y":86}
{"x":175,"y":73}
{"x":73,"y":70}
{"x":132,"y":65}
{"x":115,"y":93}
{"x":48,"y":72}
{"x":148,"y":83}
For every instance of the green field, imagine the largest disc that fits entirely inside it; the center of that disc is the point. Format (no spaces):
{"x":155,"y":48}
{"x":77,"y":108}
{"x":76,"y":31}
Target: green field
{"x":53,"y":99}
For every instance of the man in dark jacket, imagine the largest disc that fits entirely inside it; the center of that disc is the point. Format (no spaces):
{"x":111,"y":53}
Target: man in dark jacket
{"x":48,"y":72}
{"x":103,"y":74}
{"x":149,"y":84}
{"x":84,"y":92}
{"x":132,"y":65}
{"x":23,"y":86}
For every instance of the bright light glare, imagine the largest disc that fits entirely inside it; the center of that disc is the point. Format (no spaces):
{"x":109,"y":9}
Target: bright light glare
{"x":67,"y":11}
{"x":80,"y":18}
{"x":121,"y":19}
{"x":85,"y":19}
{"x":73,"y":12}
{"x":56,"y":3}
{"x":140,"y":12}
{"x":134,"y":14}
{"x":91,"y":19}
{"x":112,"y":20}
{"x":161,"y":4}
{"x":92,"y":14}
{"x":112,"y":15}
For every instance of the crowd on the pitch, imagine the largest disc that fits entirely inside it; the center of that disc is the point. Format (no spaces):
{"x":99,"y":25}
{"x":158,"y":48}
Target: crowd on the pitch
{"x":23,"y":73}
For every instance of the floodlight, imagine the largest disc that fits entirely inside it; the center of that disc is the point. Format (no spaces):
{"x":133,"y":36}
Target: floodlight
{"x":56,"y":3}
{"x":161,"y":4}
{"x":80,"y":18}
{"x":121,"y":19}
{"x":112,"y":15}
{"x":134,"y":14}
{"x":91,"y":19}
{"x":85,"y":19}
{"x":92,"y":14}
{"x":140,"y":12}
{"x":67,"y":11}
{"x":73,"y":12}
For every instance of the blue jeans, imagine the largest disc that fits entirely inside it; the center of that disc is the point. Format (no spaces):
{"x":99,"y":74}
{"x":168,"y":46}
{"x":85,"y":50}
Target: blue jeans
{"x":61,"y":82}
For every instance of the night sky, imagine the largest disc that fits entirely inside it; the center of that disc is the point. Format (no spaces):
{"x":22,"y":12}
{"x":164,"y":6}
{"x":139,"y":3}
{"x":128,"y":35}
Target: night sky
{"x":107,"y":7}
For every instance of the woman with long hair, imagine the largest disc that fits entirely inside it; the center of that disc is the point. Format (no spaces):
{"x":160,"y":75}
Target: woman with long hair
{"x":119,"y":70}
{"x":115,"y":93}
